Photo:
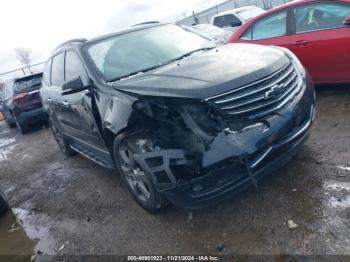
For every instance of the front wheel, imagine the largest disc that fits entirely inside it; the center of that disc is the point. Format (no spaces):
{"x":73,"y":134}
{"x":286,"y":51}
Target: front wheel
{"x":136,"y":179}
{"x":61,"y":141}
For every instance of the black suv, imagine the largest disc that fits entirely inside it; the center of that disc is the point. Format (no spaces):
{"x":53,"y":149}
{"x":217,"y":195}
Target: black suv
{"x":22,"y":103}
{"x":182,"y":120}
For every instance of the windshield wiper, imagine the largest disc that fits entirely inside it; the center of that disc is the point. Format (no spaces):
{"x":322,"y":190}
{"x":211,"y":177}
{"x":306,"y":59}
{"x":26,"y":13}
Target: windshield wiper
{"x":135,"y":73}
{"x":160,"y":64}
{"x":189,"y":53}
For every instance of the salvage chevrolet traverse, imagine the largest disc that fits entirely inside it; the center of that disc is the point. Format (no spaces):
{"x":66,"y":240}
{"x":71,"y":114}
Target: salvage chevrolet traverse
{"x":182,"y":120}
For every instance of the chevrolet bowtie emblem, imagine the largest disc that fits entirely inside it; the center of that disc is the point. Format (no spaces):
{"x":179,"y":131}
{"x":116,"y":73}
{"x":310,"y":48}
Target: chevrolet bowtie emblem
{"x":274,"y":91}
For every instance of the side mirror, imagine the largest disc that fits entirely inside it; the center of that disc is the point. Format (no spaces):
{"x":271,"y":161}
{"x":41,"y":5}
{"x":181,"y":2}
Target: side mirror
{"x":236,"y":23}
{"x":73,"y":86}
{"x":347,"y":20}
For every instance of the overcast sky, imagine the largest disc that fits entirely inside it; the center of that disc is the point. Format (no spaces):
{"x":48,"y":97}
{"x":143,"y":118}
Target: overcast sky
{"x":41,"y":25}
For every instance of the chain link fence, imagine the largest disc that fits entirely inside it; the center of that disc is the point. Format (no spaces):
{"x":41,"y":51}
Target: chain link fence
{"x":205,"y":15}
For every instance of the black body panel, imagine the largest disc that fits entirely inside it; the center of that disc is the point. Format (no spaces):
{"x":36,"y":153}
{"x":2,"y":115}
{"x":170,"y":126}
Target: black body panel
{"x":203,"y":155}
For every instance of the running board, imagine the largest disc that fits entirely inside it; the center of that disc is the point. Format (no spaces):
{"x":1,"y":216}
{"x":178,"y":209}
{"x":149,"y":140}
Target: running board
{"x":93,"y":157}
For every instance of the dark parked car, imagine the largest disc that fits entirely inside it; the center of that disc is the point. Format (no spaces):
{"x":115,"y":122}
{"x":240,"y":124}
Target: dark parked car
{"x":182,"y":120}
{"x":6,"y":98}
{"x":22,"y":103}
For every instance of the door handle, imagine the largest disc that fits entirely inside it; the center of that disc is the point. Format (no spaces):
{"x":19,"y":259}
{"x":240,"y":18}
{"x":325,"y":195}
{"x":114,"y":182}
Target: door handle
{"x":65,"y":103}
{"x":300,"y":43}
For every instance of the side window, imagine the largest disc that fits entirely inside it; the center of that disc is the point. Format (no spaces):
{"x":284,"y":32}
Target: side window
{"x":225,"y":20}
{"x":47,"y":72}
{"x":57,"y":70}
{"x":248,"y":34}
{"x":9,"y":90}
{"x":273,"y":26}
{"x":320,"y":16}
{"x":74,"y":66}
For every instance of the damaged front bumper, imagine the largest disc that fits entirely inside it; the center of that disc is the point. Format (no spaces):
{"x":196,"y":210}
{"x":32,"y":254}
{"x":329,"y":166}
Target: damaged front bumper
{"x":235,"y":160}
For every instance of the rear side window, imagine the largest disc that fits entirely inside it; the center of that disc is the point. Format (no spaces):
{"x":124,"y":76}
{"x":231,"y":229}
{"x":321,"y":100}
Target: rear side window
{"x":272,"y":26}
{"x":47,"y":73}
{"x":9,"y":90}
{"x":225,"y":20}
{"x":57,"y":71}
{"x":320,"y":16}
{"x":74,"y":66}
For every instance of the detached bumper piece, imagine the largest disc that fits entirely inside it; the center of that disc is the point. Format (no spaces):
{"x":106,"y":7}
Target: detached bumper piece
{"x":162,"y":165}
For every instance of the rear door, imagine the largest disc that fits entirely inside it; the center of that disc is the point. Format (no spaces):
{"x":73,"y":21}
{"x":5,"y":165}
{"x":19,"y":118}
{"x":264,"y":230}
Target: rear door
{"x":53,"y":93}
{"x":322,"y":41}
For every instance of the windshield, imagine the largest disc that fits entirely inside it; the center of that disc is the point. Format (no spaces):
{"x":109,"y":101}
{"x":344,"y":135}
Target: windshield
{"x":28,"y":83}
{"x":127,"y":54}
{"x":250,"y":13}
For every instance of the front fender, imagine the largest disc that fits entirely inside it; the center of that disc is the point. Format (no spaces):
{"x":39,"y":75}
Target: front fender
{"x":117,"y":113}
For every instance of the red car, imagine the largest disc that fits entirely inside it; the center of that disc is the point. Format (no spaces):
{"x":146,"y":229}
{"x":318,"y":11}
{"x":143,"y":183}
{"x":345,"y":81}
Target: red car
{"x":318,"y":32}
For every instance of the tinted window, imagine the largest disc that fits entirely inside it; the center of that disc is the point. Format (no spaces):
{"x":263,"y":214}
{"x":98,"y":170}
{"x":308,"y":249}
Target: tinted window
{"x":272,"y":26}
{"x":74,"y":67}
{"x":320,"y":16}
{"x":57,"y":71}
{"x":9,"y":90}
{"x":225,"y":20}
{"x":47,"y":72}
{"x":28,"y":83}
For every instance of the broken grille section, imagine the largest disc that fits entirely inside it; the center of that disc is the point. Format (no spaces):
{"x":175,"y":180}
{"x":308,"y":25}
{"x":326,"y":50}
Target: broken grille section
{"x":261,"y":97}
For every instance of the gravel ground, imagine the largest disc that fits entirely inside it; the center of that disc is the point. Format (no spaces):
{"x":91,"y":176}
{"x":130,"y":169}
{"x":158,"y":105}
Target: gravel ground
{"x":73,"y":206}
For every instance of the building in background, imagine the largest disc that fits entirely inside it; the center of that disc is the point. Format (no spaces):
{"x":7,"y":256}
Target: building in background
{"x":203,"y":17}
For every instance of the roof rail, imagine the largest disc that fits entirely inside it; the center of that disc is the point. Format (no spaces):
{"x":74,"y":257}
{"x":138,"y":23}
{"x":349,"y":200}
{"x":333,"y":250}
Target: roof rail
{"x":147,"y":23}
{"x":76,"y":40}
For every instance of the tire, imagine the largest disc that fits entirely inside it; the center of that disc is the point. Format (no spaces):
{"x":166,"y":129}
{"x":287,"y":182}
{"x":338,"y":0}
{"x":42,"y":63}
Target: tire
{"x":8,"y":123}
{"x":21,"y":127}
{"x":3,"y":204}
{"x":136,"y":179}
{"x":61,"y":141}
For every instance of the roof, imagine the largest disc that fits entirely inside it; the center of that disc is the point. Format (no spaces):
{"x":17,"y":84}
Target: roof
{"x":80,"y":41}
{"x":127,"y":30}
{"x":71,"y":42}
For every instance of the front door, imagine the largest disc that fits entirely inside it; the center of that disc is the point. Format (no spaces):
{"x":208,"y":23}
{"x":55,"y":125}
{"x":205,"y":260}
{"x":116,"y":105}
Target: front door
{"x":82,"y":124}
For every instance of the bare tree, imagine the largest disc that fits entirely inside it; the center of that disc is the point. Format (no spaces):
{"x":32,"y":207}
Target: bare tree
{"x":23,"y":56}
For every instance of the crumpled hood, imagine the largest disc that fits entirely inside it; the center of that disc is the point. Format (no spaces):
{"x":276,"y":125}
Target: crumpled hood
{"x":206,"y":74}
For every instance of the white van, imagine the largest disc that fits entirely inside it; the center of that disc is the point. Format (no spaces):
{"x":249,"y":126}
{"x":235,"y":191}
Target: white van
{"x":233,"y":19}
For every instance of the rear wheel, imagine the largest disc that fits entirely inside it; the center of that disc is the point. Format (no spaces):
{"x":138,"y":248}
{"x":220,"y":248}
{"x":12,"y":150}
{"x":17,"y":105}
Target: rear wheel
{"x":21,"y":127}
{"x":136,"y":179}
{"x":8,"y":123}
{"x":61,"y":141}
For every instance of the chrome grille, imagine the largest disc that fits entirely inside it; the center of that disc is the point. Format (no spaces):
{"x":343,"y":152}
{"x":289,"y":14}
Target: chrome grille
{"x":261,"y":97}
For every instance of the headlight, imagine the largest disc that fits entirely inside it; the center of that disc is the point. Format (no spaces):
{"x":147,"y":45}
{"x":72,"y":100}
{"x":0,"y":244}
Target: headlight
{"x":296,"y":62}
